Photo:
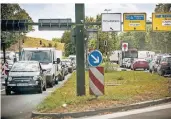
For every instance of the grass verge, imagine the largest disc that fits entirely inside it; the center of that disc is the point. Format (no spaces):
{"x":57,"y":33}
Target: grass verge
{"x":121,"y":88}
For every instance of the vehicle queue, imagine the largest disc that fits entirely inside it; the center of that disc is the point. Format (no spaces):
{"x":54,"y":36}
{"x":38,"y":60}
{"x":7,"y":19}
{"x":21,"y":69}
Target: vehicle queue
{"x":38,"y":69}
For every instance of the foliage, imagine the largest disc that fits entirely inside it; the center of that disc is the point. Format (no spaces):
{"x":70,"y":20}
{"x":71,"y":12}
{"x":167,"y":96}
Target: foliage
{"x":56,"y":39}
{"x":50,"y":44}
{"x":13,"y":11}
{"x":35,"y":42}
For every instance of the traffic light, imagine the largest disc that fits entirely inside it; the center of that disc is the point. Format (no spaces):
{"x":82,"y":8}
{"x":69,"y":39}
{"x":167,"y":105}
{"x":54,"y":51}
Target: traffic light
{"x":14,"y":25}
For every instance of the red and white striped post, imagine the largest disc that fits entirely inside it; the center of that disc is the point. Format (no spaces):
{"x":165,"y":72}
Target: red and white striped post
{"x":96,"y":81}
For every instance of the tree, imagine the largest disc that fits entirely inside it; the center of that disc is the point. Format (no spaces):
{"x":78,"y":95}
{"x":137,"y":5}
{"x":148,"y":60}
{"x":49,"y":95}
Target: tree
{"x":13,"y":11}
{"x":56,"y":39}
{"x":50,"y":44}
{"x":55,"y":45}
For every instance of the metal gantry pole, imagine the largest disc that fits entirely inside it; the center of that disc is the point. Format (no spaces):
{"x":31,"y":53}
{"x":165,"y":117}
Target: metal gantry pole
{"x":79,"y":17}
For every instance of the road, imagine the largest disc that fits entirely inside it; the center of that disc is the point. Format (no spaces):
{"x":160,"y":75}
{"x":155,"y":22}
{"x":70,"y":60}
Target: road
{"x":20,"y":106}
{"x":162,"y":111}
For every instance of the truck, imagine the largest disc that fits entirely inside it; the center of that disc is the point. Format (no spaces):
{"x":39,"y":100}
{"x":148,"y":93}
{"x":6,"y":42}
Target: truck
{"x":48,"y":60}
{"x":114,"y":57}
{"x":128,"y":56}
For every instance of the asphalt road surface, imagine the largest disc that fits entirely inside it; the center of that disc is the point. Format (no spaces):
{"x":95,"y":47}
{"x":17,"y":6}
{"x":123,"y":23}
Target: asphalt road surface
{"x":162,"y":111}
{"x":20,"y":106}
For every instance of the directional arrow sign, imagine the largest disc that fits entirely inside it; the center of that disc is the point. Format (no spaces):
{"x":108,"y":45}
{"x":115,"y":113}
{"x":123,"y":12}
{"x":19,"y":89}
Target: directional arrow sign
{"x":95,"y":58}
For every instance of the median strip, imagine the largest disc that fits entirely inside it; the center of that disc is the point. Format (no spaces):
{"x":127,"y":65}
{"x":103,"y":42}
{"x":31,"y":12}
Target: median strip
{"x":134,"y":87}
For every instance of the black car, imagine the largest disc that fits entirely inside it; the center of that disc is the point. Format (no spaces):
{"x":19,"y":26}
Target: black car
{"x":26,"y":76}
{"x":164,"y":67}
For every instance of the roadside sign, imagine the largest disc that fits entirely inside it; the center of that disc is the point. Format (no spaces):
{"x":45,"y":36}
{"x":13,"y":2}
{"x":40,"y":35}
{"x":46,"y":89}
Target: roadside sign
{"x":54,"y":24}
{"x":124,"y":46}
{"x":134,"y":21}
{"x":111,"y":22}
{"x":161,"y":21}
{"x":95,"y":58}
{"x":105,"y":43}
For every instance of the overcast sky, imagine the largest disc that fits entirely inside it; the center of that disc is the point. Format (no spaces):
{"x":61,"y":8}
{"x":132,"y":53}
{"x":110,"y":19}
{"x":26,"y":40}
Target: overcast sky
{"x":67,"y":10}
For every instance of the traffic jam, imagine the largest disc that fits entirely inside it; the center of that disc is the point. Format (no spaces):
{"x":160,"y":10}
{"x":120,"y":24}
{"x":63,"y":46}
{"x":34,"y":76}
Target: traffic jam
{"x":36,"y":70}
{"x":153,"y":62}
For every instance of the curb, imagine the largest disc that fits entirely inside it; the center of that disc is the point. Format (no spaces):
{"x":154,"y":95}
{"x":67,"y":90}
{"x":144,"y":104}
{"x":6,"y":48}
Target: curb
{"x":98,"y":111}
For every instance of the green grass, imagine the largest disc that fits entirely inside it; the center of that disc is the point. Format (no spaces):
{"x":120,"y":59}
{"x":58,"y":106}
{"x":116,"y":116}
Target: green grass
{"x":132,"y":86}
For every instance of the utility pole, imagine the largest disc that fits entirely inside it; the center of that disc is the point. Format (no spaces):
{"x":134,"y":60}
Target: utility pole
{"x":79,"y":17}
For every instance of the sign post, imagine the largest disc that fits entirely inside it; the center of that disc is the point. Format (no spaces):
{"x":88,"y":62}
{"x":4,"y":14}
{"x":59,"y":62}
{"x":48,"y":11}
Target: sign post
{"x":134,"y":21}
{"x":96,"y":73}
{"x":161,"y":21}
{"x":79,"y":17}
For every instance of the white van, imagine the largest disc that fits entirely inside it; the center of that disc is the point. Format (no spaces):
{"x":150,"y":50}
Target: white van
{"x":48,"y":60}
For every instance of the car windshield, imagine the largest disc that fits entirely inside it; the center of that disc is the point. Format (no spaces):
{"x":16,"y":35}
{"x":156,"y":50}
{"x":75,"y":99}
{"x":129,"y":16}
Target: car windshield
{"x":130,"y":54}
{"x":42,"y":56}
{"x":25,"y":67}
{"x":67,"y":62}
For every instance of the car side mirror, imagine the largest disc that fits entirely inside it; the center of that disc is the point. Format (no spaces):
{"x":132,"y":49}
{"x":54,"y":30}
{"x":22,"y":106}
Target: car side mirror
{"x":58,"y":60}
{"x":43,"y":70}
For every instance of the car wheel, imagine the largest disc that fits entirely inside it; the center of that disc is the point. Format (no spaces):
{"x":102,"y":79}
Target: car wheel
{"x":44,"y":87}
{"x":56,"y":80}
{"x":161,"y":73}
{"x":51,"y":84}
{"x":40,"y":89}
{"x":7,"y":91}
{"x":134,"y":69}
{"x":150,"y":71}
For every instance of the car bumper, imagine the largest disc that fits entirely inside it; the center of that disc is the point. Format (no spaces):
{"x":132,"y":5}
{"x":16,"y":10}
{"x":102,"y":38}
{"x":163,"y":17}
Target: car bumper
{"x":167,"y":70}
{"x":23,"y":88}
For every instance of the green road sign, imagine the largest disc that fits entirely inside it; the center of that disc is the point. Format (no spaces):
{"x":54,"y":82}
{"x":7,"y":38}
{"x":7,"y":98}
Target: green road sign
{"x":54,"y":24}
{"x":14,"y":25}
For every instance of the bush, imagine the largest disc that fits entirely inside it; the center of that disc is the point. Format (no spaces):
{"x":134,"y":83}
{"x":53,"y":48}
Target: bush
{"x":50,"y":44}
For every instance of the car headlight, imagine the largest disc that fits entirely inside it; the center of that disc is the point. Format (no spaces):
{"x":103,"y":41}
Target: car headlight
{"x":48,"y":71}
{"x":9,"y":78}
{"x":35,"y":77}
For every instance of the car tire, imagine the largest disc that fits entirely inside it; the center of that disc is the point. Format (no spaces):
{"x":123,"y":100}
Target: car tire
{"x":51,"y":84}
{"x":7,"y":91}
{"x":150,"y":71}
{"x":161,"y":73}
{"x":40,"y":89}
{"x":44,"y":87}
{"x":56,"y":80}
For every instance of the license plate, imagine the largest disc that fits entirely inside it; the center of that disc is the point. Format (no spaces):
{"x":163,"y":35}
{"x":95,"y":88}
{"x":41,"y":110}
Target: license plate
{"x":22,"y":84}
{"x":141,"y":63}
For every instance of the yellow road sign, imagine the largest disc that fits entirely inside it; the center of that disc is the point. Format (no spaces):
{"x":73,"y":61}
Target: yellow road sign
{"x":161,"y":21}
{"x":134,"y":21}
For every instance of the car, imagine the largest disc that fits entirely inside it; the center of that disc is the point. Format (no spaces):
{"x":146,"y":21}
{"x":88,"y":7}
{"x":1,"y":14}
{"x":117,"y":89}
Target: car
{"x":164,"y":67}
{"x":140,"y":64}
{"x":155,"y":63}
{"x":69,"y":65}
{"x":25,"y":76}
{"x":48,"y":60}
{"x":64,"y":66}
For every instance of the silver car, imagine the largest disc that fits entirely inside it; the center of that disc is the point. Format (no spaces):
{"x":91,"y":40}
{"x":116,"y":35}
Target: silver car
{"x":25,"y":76}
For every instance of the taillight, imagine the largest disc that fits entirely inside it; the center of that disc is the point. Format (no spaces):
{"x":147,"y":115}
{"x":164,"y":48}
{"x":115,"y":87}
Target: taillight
{"x":164,"y":63}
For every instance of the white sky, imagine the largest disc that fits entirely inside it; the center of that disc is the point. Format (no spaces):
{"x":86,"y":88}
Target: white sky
{"x":67,"y":10}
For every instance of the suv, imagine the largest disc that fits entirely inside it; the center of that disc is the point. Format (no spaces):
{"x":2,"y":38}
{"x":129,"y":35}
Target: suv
{"x":164,"y":67}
